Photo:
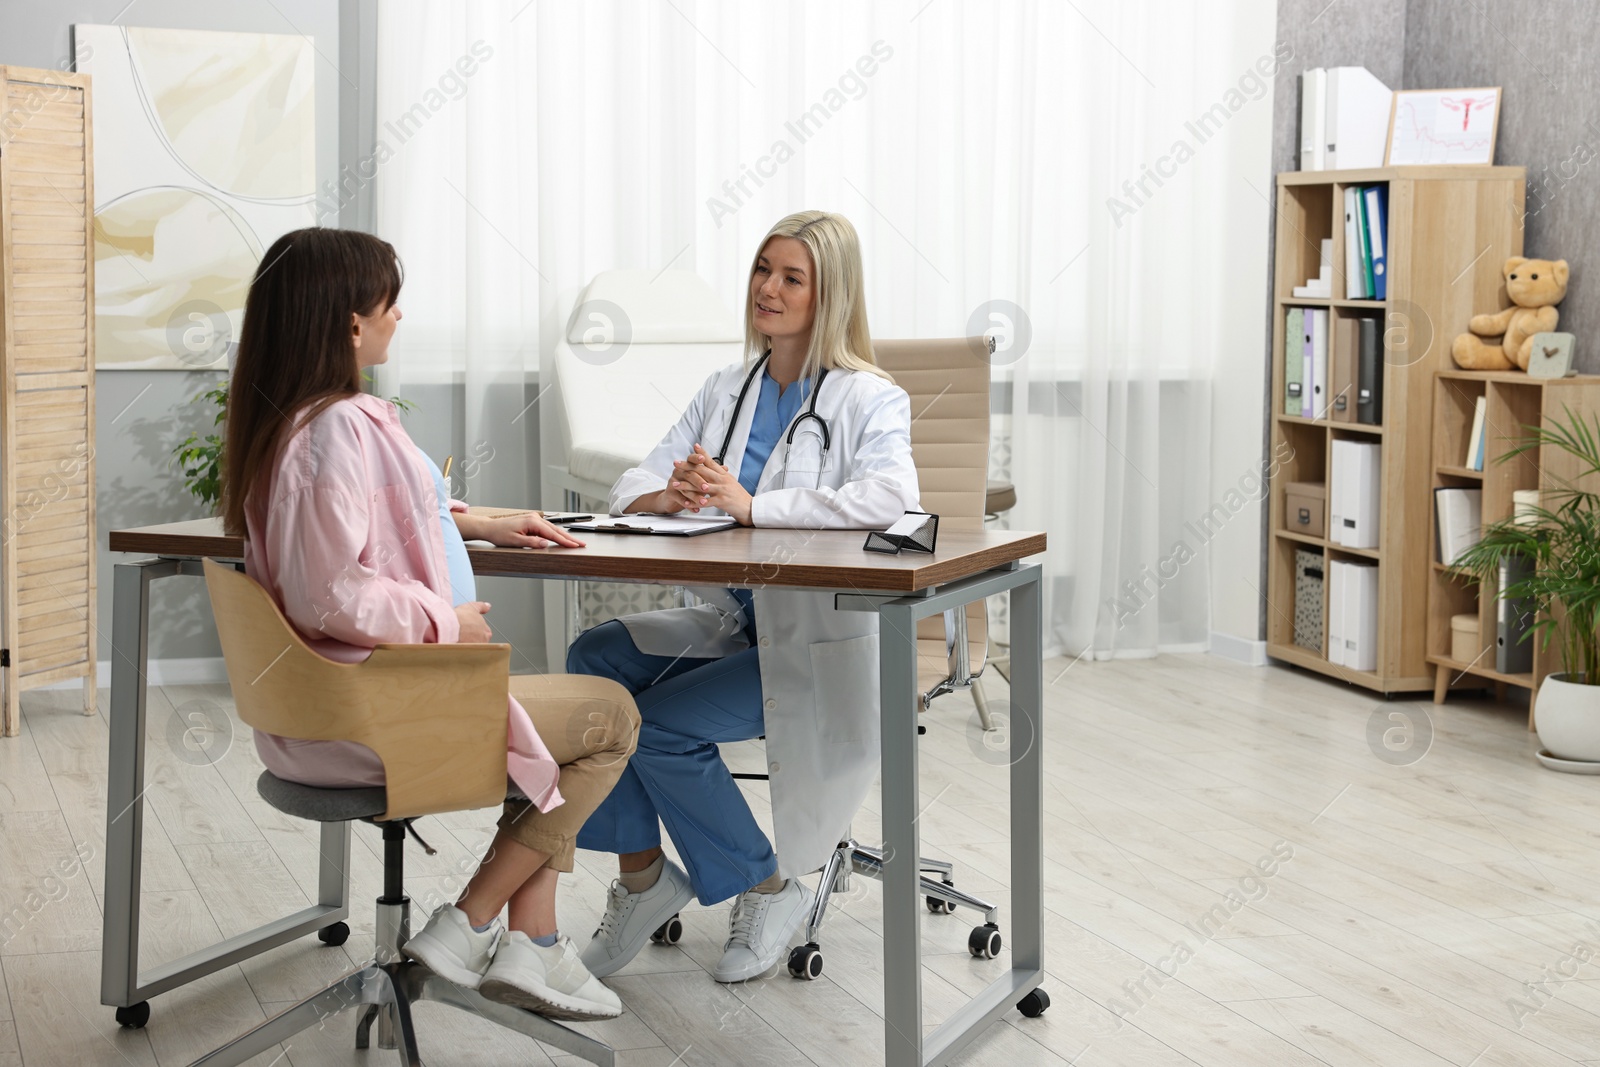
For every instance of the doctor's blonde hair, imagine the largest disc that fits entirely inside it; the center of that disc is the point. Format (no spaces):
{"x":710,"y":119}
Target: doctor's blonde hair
{"x":839,"y":335}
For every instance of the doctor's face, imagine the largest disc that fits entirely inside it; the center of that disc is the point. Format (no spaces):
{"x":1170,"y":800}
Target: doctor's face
{"x":783,"y":289}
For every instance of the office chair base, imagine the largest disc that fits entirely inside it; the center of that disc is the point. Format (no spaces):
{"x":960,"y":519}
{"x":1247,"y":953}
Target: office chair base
{"x":942,"y":898}
{"x":386,"y":993}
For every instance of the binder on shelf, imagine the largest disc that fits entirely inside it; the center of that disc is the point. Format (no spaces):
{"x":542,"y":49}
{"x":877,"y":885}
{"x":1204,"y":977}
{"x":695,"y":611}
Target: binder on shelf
{"x":1336,"y":593}
{"x":1458,"y":516}
{"x":1293,"y":362}
{"x":1369,"y":376}
{"x":1342,"y":373}
{"x":1355,"y":286}
{"x":1307,"y":372}
{"x":1313,"y":119}
{"x":1366,"y":243}
{"x":1361,"y":616}
{"x":1377,"y":215}
{"x":1319,"y":362}
{"x":1356,"y":118}
{"x":1474,"y":458}
{"x":1354,"y":493}
{"x":1514,"y":618}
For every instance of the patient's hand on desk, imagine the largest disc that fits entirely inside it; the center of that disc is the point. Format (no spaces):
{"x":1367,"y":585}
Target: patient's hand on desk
{"x":515,"y":531}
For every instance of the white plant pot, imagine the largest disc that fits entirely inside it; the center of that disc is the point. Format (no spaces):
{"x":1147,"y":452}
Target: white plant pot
{"x":1567,"y":717}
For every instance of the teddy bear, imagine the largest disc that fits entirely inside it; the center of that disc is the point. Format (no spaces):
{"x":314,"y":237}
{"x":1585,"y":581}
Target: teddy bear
{"x":1535,"y":287}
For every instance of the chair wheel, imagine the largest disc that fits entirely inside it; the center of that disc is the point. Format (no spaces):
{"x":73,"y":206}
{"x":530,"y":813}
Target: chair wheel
{"x":336,"y":934}
{"x":805,"y":962}
{"x":669,"y":932}
{"x":939,"y":906}
{"x":984,"y":942}
{"x":1034,"y":1004}
{"x":134,"y":1016}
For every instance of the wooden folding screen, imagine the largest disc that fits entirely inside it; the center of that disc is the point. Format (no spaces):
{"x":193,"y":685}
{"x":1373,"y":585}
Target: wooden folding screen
{"x":47,"y":522}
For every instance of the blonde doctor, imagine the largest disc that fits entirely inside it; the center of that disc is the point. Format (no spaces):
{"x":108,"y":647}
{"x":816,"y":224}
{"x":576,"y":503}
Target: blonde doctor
{"x":806,"y":433}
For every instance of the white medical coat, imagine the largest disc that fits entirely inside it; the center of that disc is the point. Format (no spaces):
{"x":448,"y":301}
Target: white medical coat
{"x":819,"y":667}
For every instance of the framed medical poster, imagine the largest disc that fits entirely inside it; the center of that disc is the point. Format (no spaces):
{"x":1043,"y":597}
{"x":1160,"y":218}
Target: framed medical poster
{"x":1443,"y":127}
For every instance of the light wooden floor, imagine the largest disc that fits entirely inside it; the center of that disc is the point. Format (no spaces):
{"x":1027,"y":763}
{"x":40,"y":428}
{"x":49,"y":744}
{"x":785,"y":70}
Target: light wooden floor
{"x":1443,"y":912}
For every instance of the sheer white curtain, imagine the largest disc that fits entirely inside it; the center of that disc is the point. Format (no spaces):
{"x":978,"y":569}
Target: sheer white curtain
{"x":974,"y":146}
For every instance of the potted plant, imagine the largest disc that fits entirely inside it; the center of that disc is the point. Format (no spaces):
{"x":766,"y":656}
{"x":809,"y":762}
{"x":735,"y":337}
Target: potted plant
{"x":1560,"y":543}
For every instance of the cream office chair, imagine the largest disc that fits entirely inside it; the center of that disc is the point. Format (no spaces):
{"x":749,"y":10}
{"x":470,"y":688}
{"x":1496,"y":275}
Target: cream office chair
{"x":637,"y":347}
{"x":948,"y":382}
{"x":390,"y":703}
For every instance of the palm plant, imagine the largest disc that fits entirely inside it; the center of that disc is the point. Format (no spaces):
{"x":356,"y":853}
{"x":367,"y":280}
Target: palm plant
{"x":1560,"y":540}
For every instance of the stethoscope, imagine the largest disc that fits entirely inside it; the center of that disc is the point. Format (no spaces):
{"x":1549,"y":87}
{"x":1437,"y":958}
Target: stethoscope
{"x":788,"y":442}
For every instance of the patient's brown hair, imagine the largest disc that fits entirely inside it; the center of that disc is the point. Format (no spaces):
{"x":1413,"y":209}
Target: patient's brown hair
{"x":296,"y":348}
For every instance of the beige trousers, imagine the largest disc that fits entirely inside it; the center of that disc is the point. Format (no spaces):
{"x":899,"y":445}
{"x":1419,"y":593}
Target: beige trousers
{"x":591,"y":726}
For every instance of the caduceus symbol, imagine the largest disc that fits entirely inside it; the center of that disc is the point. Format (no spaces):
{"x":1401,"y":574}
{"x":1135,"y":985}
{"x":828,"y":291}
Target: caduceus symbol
{"x":1463,"y":104}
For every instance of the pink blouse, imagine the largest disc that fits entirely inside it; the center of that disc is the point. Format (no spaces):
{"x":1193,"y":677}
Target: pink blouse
{"x":347,"y":539}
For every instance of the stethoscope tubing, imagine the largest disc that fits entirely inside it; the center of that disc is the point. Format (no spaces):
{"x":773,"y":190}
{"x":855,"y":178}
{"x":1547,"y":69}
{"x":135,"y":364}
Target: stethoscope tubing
{"x":788,"y":443}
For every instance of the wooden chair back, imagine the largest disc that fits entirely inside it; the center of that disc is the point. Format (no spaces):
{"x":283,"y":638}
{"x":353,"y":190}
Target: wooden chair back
{"x":434,"y":714}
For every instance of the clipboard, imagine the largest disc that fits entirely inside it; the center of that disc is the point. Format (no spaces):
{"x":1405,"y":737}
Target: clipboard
{"x":657,"y":525}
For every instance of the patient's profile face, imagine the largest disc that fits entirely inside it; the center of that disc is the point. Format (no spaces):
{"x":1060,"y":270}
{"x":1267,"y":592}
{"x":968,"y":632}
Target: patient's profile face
{"x":372,"y":334}
{"x":783,"y":288}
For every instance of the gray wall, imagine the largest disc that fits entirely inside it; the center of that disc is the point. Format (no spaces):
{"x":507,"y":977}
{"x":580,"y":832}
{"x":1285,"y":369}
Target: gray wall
{"x":1544,"y":54}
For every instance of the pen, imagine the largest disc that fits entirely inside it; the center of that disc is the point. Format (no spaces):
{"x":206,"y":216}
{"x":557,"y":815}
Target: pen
{"x":446,"y":470}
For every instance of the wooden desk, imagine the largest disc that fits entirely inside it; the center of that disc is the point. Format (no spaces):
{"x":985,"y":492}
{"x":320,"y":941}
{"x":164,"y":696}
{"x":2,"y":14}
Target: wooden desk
{"x":806,"y":559}
{"x":968,"y":566}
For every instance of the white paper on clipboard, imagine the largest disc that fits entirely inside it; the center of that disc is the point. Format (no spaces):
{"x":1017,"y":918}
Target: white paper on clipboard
{"x":672,"y":525}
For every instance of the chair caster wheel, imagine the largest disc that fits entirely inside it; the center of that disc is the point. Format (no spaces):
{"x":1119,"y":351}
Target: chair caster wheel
{"x":1034,"y":1004}
{"x":134,"y":1016}
{"x":337,"y":934}
{"x":984,"y":941}
{"x":941,"y":907}
{"x":669,"y":932}
{"x":805,"y":962}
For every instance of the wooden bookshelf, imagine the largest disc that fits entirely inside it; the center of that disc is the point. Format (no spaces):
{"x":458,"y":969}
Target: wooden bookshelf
{"x":1513,"y":403}
{"x":1449,"y":230}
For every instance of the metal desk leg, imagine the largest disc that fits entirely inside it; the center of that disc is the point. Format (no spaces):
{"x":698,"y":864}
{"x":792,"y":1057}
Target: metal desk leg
{"x":902,"y":913}
{"x":120,"y":982}
{"x":1027,"y":777}
{"x":130,"y":615}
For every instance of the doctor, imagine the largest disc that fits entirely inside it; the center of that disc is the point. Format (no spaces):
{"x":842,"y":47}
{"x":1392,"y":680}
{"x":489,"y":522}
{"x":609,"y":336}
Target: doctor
{"x":808,"y":433}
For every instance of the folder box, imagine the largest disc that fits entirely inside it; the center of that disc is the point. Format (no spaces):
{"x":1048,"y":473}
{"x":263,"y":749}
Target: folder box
{"x":1305,"y":508}
{"x":1308,"y":586}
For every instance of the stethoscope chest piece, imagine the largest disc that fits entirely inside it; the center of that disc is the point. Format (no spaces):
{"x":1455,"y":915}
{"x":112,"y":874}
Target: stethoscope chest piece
{"x":809,"y":415}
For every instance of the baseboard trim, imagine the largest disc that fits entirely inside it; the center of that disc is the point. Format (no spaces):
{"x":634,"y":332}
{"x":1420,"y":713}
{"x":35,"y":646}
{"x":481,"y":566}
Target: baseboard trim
{"x":199,"y":670}
{"x":1239,"y":649}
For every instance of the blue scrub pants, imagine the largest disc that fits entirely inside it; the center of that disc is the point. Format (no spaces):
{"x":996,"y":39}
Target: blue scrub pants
{"x":677,"y":777}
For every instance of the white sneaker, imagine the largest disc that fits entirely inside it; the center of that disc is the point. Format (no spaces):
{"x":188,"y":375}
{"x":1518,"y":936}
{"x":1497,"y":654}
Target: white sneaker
{"x":631,"y":918}
{"x":450,"y":948}
{"x":759,"y":930}
{"x":550,"y":981}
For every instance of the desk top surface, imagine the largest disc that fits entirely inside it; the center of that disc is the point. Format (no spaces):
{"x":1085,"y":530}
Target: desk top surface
{"x":815,"y":559}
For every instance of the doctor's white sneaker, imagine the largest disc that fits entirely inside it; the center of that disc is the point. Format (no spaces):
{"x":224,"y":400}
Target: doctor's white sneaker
{"x":759,"y":931}
{"x":550,"y":981}
{"x":450,"y":948}
{"x":631,"y":918}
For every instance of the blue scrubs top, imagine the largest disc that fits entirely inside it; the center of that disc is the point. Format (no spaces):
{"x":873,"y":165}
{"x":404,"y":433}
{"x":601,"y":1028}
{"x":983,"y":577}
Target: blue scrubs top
{"x":463,"y":586}
{"x":774,"y":412}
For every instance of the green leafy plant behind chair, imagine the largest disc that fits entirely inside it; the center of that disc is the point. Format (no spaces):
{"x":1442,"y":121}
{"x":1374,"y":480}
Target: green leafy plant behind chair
{"x":1561,"y":541}
{"x":200,"y":457}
